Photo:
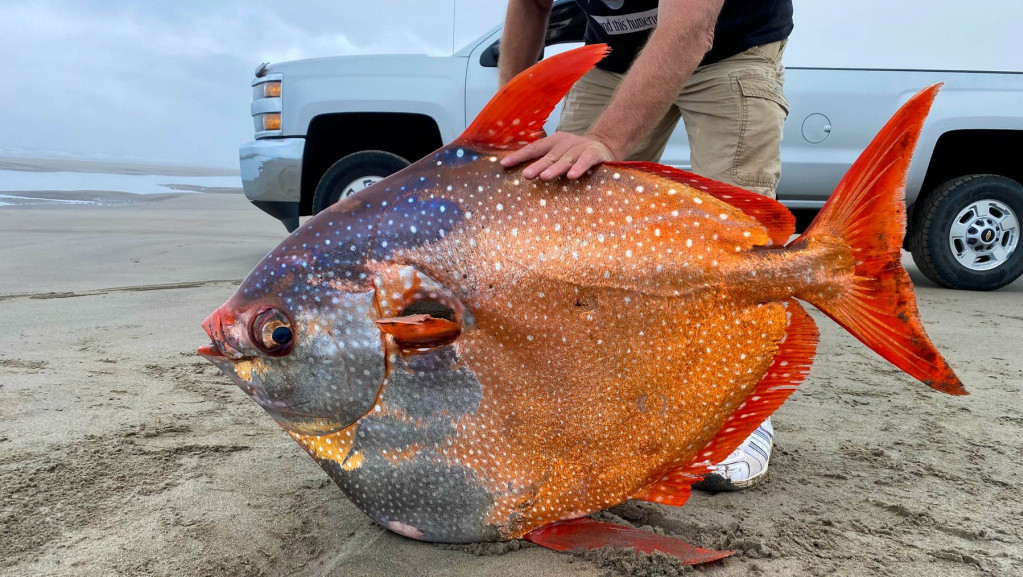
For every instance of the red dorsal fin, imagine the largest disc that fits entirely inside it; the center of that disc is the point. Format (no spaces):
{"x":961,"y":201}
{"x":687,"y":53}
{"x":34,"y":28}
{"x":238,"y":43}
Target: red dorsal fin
{"x":777,"y":219}
{"x":515,"y":115}
{"x":791,"y":365}
{"x":868,"y":213}
{"x":586,"y":534}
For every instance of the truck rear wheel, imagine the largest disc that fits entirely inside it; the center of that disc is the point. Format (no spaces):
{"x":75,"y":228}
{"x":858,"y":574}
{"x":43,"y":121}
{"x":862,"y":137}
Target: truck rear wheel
{"x":966,"y":234}
{"x":354,"y":173}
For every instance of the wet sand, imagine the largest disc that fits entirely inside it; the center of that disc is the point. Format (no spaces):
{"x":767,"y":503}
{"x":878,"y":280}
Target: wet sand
{"x":123,"y":453}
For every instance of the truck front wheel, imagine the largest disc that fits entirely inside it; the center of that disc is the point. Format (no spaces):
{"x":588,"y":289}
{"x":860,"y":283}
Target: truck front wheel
{"x":966,"y":233}
{"x":354,"y":173}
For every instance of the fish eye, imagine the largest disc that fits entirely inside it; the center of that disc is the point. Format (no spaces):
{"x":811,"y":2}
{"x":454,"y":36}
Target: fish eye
{"x":271,"y":331}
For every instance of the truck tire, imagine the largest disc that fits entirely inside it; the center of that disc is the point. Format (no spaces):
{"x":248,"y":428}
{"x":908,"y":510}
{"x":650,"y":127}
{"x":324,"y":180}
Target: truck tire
{"x":966,"y":233}
{"x":354,"y":173}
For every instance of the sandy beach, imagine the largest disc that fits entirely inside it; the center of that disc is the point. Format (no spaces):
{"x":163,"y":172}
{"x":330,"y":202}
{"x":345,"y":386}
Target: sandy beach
{"x":124,"y":453}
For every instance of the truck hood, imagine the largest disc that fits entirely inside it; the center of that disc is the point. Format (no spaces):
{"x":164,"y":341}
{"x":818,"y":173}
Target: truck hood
{"x":369,"y":65}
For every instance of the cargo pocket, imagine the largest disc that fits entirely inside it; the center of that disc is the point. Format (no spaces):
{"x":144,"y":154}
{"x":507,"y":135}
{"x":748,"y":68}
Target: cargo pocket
{"x":757,"y":162}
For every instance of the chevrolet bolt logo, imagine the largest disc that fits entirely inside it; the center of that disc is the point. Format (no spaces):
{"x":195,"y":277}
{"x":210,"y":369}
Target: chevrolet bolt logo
{"x":988,"y":235}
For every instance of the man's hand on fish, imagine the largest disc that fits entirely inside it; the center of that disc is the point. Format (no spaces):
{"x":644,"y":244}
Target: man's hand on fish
{"x":561,"y":153}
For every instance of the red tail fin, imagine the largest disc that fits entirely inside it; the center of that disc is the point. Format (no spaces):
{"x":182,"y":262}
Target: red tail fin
{"x":515,"y":115}
{"x":867,"y":211}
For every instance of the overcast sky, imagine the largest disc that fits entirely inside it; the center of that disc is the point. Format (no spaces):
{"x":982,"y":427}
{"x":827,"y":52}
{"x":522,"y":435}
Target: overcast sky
{"x":169,"y":80}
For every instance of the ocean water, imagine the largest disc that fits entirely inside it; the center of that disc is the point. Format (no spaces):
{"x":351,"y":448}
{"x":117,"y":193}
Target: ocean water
{"x":25,"y":182}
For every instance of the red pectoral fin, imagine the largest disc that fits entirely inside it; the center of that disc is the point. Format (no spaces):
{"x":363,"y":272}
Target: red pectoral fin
{"x":586,"y":534}
{"x":420,"y":331}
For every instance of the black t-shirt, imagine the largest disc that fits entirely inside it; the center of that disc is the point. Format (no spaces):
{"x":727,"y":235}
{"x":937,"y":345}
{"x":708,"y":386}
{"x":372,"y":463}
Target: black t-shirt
{"x":625,"y":25}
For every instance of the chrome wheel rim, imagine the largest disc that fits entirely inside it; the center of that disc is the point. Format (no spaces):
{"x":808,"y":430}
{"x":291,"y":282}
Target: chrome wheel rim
{"x":984,"y":234}
{"x":358,"y":184}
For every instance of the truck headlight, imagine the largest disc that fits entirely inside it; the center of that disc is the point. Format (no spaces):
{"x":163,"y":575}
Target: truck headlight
{"x":272,"y":89}
{"x":268,"y":89}
{"x":266,"y":104}
{"x":271,"y":121}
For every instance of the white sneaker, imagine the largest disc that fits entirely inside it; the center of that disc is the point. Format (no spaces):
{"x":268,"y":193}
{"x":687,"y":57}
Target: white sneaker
{"x":745,"y":467}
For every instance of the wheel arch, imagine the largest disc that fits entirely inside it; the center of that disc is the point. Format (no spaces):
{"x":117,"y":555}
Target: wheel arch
{"x":408,"y":135}
{"x":963,"y":152}
{"x":978,"y":151}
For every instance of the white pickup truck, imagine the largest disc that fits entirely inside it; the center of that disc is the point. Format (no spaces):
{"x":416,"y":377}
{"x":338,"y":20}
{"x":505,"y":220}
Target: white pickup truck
{"x":329,"y":127}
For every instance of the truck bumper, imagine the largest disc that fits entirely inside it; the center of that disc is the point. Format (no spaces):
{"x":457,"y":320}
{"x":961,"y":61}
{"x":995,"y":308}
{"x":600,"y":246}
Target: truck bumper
{"x":272,"y":176}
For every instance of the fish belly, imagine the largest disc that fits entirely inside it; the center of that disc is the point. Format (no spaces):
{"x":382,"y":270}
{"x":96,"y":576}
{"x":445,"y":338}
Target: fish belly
{"x":581,"y":413}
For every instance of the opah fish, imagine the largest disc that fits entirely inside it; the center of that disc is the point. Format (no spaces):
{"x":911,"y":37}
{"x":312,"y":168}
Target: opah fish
{"x":473,"y":356}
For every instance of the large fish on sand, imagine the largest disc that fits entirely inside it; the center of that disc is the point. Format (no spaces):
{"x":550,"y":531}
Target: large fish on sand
{"x":474,"y":356}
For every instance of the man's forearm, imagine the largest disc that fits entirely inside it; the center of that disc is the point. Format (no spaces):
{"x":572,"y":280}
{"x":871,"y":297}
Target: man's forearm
{"x":683,"y":35}
{"x":525,"y":25}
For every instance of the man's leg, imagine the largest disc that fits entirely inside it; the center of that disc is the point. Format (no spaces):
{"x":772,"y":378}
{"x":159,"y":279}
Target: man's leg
{"x":734,"y":111}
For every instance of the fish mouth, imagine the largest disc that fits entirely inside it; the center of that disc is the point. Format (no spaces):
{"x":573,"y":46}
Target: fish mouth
{"x":211,"y":352}
{"x":220,"y":348}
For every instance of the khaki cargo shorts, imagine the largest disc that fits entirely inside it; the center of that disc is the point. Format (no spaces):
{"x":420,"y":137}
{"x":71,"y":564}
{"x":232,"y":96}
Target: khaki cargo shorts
{"x":734,"y":111}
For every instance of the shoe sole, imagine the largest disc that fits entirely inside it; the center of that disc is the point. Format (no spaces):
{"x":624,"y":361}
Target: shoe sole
{"x":714,"y":483}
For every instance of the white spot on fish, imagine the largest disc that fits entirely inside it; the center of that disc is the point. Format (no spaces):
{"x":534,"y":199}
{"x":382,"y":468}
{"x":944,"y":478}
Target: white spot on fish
{"x":403,"y":528}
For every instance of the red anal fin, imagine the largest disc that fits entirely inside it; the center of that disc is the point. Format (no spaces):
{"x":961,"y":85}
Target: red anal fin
{"x":868,"y":212}
{"x":515,"y":115}
{"x":673,"y":489}
{"x":420,"y":331}
{"x":791,"y":365}
{"x":777,"y":219}
{"x":585,"y":534}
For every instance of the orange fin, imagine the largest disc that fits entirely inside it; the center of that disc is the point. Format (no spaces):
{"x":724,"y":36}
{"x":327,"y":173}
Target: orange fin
{"x":515,"y":115}
{"x":777,"y":219}
{"x":790,"y":366}
{"x":868,"y":212}
{"x":419,"y":331}
{"x":585,"y":534}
